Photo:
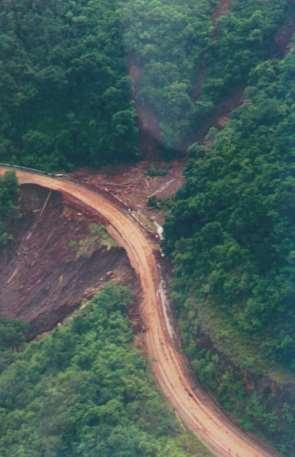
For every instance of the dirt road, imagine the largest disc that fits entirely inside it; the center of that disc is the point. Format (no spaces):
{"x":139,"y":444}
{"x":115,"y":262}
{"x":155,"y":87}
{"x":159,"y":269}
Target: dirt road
{"x":195,"y":408}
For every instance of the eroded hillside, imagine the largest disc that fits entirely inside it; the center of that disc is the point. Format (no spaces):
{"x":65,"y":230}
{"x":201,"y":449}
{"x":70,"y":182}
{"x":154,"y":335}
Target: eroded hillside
{"x":59,"y":256}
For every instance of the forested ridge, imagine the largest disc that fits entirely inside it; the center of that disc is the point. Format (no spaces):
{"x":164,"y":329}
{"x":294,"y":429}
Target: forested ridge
{"x":84,"y":390}
{"x":231,"y":236}
{"x":64,"y":87}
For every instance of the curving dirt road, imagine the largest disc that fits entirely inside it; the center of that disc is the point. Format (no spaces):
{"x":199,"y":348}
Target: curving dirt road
{"x":195,"y":408}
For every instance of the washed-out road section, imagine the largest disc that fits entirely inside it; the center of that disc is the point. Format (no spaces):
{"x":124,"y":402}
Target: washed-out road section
{"x":197,"y":411}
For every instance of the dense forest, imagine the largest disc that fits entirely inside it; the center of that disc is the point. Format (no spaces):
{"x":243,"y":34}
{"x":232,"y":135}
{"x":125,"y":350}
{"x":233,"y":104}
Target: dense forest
{"x":66,"y":97}
{"x":231,"y":233}
{"x":9,"y":211}
{"x":64,"y":87}
{"x":84,"y":391}
{"x":191,"y":61}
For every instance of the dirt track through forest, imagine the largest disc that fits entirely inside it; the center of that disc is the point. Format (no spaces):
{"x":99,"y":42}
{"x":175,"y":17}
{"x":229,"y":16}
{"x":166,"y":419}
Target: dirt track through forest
{"x":198,"y":412}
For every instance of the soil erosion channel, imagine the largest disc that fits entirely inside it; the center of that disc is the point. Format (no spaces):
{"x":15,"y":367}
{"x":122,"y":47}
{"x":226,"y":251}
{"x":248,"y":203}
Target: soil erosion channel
{"x":193,"y":406}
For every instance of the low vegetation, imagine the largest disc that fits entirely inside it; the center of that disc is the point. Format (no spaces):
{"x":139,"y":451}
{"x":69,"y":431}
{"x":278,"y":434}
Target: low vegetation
{"x":66,"y":97}
{"x":97,"y":237}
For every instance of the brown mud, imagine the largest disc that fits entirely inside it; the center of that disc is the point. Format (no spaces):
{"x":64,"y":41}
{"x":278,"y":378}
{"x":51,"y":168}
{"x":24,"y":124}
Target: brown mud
{"x":54,"y":262}
{"x":134,"y":185}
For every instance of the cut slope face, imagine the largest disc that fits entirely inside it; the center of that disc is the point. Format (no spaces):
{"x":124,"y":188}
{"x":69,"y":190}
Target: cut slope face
{"x":57,"y":259}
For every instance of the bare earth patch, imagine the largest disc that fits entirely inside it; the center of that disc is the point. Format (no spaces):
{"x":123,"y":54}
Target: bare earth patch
{"x":134,"y":185}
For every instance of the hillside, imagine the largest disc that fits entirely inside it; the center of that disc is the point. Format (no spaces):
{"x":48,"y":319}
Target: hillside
{"x":85,"y":390}
{"x":65,"y":95}
{"x":119,"y":105}
{"x":57,"y":257}
{"x":236,"y":212}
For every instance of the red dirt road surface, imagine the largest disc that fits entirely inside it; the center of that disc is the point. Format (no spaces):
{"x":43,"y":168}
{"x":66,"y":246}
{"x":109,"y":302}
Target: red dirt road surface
{"x":191,"y":404}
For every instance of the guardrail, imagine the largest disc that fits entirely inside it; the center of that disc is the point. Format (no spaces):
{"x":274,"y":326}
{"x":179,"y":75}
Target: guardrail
{"x":32,"y":170}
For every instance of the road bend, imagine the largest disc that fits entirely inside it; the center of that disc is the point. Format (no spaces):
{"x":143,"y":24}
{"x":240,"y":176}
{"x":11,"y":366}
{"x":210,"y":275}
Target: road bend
{"x":197,"y":411}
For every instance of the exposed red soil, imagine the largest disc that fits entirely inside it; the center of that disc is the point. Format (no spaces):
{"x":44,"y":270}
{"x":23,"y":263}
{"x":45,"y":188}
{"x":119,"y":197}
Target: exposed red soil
{"x":221,"y":10}
{"x":42,"y":278}
{"x":133,"y":186}
{"x":150,"y":131}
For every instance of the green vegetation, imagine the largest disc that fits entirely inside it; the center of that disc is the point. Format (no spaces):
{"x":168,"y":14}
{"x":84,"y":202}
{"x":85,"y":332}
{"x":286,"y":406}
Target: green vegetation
{"x":66,"y":101}
{"x":12,"y":338}
{"x":12,"y":334}
{"x":64,"y":90}
{"x":167,"y":40}
{"x":98,"y":237}
{"x":231,"y":236}
{"x":64,"y":85}
{"x":155,"y":170}
{"x":153,"y":202}
{"x":245,"y":36}
{"x":84,"y":391}
{"x":8,"y":205}
{"x":189,"y":66}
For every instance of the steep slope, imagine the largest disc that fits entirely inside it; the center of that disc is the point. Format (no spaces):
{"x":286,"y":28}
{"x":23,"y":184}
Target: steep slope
{"x":231,"y":237}
{"x":194,"y":407}
{"x":58,"y":257}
